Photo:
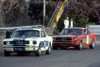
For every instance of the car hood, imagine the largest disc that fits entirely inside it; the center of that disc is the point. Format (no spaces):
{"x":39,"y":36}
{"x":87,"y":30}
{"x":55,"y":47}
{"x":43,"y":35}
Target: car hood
{"x":30,"y":38}
{"x":64,"y":36}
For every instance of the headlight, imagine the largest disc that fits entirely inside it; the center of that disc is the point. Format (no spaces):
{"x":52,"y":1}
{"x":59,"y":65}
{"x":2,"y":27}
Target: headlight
{"x":75,"y":38}
{"x":5,"y":42}
{"x":34,"y":42}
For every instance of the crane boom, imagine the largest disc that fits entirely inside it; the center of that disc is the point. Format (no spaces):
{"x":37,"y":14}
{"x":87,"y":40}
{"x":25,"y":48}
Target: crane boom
{"x":57,"y":14}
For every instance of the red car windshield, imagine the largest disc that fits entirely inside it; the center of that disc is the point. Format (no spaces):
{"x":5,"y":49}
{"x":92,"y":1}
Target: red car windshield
{"x":72,"y":32}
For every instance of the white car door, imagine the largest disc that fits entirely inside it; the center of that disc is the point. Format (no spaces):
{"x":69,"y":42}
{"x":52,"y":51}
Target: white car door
{"x":44,"y":40}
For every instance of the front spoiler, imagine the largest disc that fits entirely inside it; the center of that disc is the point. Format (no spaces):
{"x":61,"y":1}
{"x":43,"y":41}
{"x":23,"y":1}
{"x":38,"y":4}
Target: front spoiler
{"x":18,"y":46}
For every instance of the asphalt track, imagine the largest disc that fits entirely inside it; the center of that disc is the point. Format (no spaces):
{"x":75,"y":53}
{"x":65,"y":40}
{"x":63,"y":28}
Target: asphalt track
{"x":58,"y":58}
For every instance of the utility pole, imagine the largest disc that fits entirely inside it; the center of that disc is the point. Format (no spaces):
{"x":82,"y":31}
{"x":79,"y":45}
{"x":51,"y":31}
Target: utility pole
{"x":44,"y":11}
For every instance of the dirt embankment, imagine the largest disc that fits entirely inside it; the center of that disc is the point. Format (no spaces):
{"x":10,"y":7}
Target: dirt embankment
{"x":2,"y":36}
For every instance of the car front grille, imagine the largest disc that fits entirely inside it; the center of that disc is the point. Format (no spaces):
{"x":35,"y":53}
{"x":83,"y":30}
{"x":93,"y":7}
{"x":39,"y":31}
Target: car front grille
{"x":63,"y":39}
{"x":19,"y":42}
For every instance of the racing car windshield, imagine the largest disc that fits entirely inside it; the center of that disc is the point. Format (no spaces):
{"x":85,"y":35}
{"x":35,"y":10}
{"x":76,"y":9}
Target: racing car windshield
{"x":26,"y":33}
{"x":72,"y":32}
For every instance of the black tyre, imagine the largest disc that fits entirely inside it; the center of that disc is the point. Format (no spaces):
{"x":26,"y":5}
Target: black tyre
{"x":6,"y":53}
{"x":55,"y":47}
{"x":92,"y":45}
{"x":38,"y":52}
{"x":80,"y":46}
{"x":48,"y":50}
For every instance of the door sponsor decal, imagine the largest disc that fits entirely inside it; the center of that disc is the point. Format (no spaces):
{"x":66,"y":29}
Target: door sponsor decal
{"x":44,"y":44}
{"x":87,"y":39}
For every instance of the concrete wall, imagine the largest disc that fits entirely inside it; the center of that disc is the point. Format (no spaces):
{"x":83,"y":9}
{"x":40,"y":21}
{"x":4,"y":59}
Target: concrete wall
{"x":95,"y":29}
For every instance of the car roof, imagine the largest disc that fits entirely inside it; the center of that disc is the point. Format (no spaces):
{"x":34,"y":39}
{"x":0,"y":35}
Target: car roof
{"x":39,"y":29}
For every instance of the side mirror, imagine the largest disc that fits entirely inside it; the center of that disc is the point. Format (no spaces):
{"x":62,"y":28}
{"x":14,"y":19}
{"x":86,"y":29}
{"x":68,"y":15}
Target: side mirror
{"x":44,"y":35}
{"x":85,"y":33}
{"x":11,"y":36}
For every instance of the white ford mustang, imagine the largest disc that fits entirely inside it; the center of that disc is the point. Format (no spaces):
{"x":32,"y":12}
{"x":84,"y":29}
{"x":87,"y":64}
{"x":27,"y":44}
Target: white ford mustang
{"x":28,"y":40}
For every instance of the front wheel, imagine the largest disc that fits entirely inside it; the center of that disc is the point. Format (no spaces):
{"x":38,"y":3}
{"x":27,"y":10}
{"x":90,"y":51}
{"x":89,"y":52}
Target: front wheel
{"x":48,"y":50}
{"x":38,"y":52}
{"x":92,"y":45}
{"x":80,"y":46}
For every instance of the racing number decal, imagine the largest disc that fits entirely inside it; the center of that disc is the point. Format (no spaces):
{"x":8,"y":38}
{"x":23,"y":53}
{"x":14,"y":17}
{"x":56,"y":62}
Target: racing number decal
{"x":87,"y":39}
{"x":44,"y":44}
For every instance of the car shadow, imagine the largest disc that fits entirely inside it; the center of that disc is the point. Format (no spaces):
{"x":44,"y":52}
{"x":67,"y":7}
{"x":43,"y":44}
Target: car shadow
{"x":73,"y":49}
{"x":24,"y":55}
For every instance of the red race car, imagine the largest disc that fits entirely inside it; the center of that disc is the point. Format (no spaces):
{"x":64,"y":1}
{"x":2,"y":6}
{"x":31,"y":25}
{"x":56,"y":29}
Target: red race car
{"x":74,"y":37}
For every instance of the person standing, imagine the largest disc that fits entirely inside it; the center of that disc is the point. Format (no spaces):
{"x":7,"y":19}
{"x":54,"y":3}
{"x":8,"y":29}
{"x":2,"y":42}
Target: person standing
{"x":71,"y":26}
{"x":66,"y":22}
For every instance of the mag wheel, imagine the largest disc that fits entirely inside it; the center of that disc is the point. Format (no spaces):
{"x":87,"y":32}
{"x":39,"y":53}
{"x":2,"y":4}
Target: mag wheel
{"x":48,"y":50}
{"x":80,"y":46}
{"x":38,"y":52}
{"x":6,"y":53}
{"x":92,"y":45}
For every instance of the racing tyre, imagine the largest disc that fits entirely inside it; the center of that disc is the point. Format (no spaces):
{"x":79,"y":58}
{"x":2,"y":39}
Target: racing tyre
{"x":48,"y":50}
{"x":6,"y":53}
{"x":80,"y":46}
{"x":92,"y":45}
{"x":38,"y":52}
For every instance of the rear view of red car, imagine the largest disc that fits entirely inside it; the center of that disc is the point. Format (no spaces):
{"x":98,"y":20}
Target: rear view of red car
{"x":74,"y":37}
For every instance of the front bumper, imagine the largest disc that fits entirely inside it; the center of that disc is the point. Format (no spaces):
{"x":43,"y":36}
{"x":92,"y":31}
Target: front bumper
{"x":64,"y":42}
{"x":25,"y":48}
{"x":71,"y":43}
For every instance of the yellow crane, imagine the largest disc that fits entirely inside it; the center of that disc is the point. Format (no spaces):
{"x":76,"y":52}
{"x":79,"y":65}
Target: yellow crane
{"x":57,"y":13}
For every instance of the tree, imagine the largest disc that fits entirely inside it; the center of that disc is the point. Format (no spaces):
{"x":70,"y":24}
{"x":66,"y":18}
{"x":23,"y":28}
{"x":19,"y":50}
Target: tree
{"x":87,"y":8}
{"x":13,"y":12}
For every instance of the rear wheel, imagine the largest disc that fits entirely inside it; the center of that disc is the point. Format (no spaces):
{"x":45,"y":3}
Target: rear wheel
{"x":92,"y":45}
{"x":6,"y":53}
